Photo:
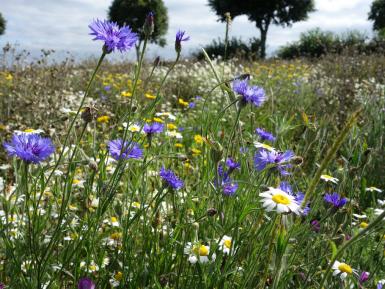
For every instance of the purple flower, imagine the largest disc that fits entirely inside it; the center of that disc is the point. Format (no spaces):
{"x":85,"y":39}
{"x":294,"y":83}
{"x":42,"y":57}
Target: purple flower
{"x":335,"y":199}
{"x":180,"y":36}
{"x":30,"y":147}
{"x":315,"y":226}
{"x":171,"y":179}
{"x":2,"y":286}
{"x":250,"y":94}
{"x":86,"y":283}
{"x":107,"y":88}
{"x":299,"y":196}
{"x":277,"y":160}
{"x":191,"y":105}
{"x":229,"y":188}
{"x":225,"y":183}
{"x":124,"y":150}
{"x":114,"y":37}
{"x":380,"y":284}
{"x":364,"y":277}
{"x":265,"y":135}
{"x":153,"y":128}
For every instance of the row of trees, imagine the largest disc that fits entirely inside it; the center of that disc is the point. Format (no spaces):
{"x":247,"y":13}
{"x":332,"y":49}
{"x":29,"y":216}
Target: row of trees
{"x":263,"y":13}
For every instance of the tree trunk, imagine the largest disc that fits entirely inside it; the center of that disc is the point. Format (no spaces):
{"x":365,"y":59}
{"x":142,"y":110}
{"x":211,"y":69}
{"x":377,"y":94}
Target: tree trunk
{"x":263,"y":31}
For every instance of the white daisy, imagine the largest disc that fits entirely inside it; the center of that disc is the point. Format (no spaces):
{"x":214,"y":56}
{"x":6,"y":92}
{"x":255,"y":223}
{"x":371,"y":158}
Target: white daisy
{"x":342,"y":269}
{"x":328,"y":178}
{"x":373,"y":189}
{"x":225,"y":244}
{"x":198,"y":253}
{"x":280,"y":201}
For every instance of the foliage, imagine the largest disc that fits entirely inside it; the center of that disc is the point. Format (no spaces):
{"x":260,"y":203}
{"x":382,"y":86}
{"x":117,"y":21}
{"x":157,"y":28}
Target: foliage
{"x":134,"y":12}
{"x":2,"y":24}
{"x":264,"y":13}
{"x":316,"y":43}
{"x":235,"y":48}
{"x":377,"y":14}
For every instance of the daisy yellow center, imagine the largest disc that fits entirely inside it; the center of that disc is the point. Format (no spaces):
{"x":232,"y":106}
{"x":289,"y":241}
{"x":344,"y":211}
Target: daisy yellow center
{"x":345,"y":268}
{"x":114,"y":219}
{"x":203,"y":251}
{"x":29,"y":130}
{"x":281,"y":199}
{"x":363,"y":225}
{"x":227,"y":243}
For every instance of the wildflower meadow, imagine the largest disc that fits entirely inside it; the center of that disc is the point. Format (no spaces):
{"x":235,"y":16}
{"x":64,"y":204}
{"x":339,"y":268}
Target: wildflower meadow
{"x":184,"y":174}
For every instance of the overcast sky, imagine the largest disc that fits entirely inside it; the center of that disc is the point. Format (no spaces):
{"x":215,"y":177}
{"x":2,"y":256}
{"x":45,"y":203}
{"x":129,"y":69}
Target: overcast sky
{"x":62,"y":24}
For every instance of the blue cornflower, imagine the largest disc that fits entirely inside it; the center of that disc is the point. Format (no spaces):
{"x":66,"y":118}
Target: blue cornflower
{"x":171,"y":179}
{"x":336,"y":200}
{"x":124,"y":150}
{"x":114,"y":37}
{"x":298,"y":196}
{"x":225,"y":183}
{"x":180,"y":36}
{"x":229,"y":188}
{"x":232,"y":165}
{"x":86,"y":283}
{"x":153,"y":128}
{"x":249,"y":94}
{"x":278,"y":160}
{"x":265,"y":135}
{"x":30,"y":147}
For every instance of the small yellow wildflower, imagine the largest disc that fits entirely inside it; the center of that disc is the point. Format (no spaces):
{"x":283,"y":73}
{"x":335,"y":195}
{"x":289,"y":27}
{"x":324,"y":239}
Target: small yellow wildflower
{"x":196,"y":152}
{"x":198,"y":139}
{"x":126,"y":93}
{"x":149,"y":96}
{"x":103,"y":119}
{"x":182,"y":102}
{"x":157,"y":119}
{"x":171,"y":126}
{"x":179,"y":145}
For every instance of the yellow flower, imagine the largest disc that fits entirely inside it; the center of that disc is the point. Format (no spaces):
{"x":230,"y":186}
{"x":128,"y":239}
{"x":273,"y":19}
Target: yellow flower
{"x":157,"y":119}
{"x":118,"y":276}
{"x":198,"y":139}
{"x":196,"y":152}
{"x":149,"y":96}
{"x":363,"y":225}
{"x":171,"y":126}
{"x":103,"y":119}
{"x":182,"y":102}
{"x":126,"y":93}
{"x":9,"y":77}
{"x":179,"y":145}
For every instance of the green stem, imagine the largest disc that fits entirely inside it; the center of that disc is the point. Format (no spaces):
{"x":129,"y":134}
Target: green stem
{"x":348,"y":244}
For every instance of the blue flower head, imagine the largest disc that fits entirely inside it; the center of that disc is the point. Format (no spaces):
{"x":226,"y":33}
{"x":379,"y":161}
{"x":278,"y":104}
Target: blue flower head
{"x":265,"y":135}
{"x":276,"y":160}
{"x":249,"y":94}
{"x":30,"y":147}
{"x":336,"y":200}
{"x":124,"y":150}
{"x":170,"y":179}
{"x":153,"y":128}
{"x":114,"y":37}
{"x":179,"y":38}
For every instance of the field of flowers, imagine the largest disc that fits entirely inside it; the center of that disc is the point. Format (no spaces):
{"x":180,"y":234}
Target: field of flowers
{"x":214,"y":174}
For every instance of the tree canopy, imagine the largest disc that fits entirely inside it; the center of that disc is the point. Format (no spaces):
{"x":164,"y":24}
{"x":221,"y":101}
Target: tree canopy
{"x":134,"y":12}
{"x":377,"y":14}
{"x":264,"y":13}
{"x":2,"y":24}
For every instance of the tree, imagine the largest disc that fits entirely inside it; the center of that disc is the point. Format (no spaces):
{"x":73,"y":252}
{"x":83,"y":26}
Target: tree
{"x":134,"y":13}
{"x":377,"y":15}
{"x":264,"y":13}
{"x":2,"y":24}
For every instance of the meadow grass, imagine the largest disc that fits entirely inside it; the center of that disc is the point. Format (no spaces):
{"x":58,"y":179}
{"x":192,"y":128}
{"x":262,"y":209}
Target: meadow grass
{"x":105,"y":211}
